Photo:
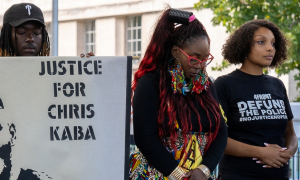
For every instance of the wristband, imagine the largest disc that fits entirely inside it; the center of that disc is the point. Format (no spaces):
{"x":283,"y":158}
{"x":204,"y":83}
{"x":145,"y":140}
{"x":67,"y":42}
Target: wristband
{"x":205,"y":170}
{"x":177,"y":174}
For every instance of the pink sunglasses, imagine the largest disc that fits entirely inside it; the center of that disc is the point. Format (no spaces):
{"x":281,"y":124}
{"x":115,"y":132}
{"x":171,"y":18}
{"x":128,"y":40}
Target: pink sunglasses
{"x":194,"y":61}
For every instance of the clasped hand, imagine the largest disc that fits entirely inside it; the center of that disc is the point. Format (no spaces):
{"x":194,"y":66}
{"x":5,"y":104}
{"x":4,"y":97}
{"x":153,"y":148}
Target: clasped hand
{"x":273,"y":156}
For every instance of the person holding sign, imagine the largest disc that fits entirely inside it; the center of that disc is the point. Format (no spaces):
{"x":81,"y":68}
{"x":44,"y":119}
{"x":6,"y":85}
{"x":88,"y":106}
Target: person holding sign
{"x":178,"y":125}
{"x":261,"y":136}
{"x":24,"y":32}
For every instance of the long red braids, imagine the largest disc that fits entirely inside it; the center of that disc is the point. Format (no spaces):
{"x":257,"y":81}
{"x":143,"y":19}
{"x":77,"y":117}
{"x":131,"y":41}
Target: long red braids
{"x":174,"y":106}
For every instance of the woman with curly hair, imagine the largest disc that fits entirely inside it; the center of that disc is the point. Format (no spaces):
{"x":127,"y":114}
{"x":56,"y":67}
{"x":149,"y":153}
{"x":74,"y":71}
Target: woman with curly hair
{"x":261,"y":136}
{"x":178,"y":127}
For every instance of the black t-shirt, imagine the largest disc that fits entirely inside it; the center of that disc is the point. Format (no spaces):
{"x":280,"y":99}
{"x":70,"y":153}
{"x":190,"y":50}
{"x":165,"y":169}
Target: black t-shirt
{"x":257,"y":111}
{"x":145,"y":117}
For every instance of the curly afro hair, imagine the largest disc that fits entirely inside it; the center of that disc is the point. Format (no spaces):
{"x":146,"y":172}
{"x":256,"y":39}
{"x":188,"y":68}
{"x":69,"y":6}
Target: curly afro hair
{"x":238,"y":45}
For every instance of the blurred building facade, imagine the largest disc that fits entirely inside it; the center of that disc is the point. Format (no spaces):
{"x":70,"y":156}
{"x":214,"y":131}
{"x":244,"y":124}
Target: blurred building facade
{"x":124,"y":27}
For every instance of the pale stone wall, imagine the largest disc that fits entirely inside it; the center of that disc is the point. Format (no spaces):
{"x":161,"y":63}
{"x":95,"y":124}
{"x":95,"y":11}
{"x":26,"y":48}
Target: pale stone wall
{"x":79,"y":9}
{"x":120,"y":36}
{"x":80,"y":37}
{"x":106,"y":36}
{"x":67,"y":34}
{"x":148,"y":24}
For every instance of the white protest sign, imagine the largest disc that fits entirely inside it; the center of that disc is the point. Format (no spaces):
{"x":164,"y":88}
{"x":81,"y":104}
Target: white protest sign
{"x":65,"y":118}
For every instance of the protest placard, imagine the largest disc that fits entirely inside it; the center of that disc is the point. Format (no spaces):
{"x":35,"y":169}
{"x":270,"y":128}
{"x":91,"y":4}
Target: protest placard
{"x":65,"y":117}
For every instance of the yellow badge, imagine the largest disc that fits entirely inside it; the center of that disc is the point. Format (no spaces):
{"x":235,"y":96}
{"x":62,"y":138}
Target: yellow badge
{"x":192,"y":156}
{"x":223,"y":113}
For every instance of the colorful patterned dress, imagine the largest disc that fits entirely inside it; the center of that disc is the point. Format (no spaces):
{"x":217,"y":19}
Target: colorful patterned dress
{"x":190,"y":159}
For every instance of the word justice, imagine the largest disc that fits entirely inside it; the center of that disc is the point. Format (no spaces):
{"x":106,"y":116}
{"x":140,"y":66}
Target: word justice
{"x":70,"y":67}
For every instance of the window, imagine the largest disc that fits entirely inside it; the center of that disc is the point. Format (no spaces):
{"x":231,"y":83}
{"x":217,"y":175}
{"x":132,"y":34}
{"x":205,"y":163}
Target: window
{"x":90,"y":36}
{"x":134,"y":36}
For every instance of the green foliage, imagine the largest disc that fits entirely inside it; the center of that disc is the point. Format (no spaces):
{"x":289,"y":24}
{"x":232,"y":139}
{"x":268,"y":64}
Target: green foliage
{"x":221,"y":66}
{"x":285,"y":14}
{"x":297,"y":99}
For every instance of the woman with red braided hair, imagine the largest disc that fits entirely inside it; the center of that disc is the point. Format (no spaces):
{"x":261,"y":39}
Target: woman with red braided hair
{"x":178,"y":126}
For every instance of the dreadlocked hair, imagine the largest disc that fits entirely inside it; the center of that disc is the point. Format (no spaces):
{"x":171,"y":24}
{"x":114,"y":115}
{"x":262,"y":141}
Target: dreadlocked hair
{"x":5,"y":41}
{"x":156,"y":58}
{"x":6,"y":47}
